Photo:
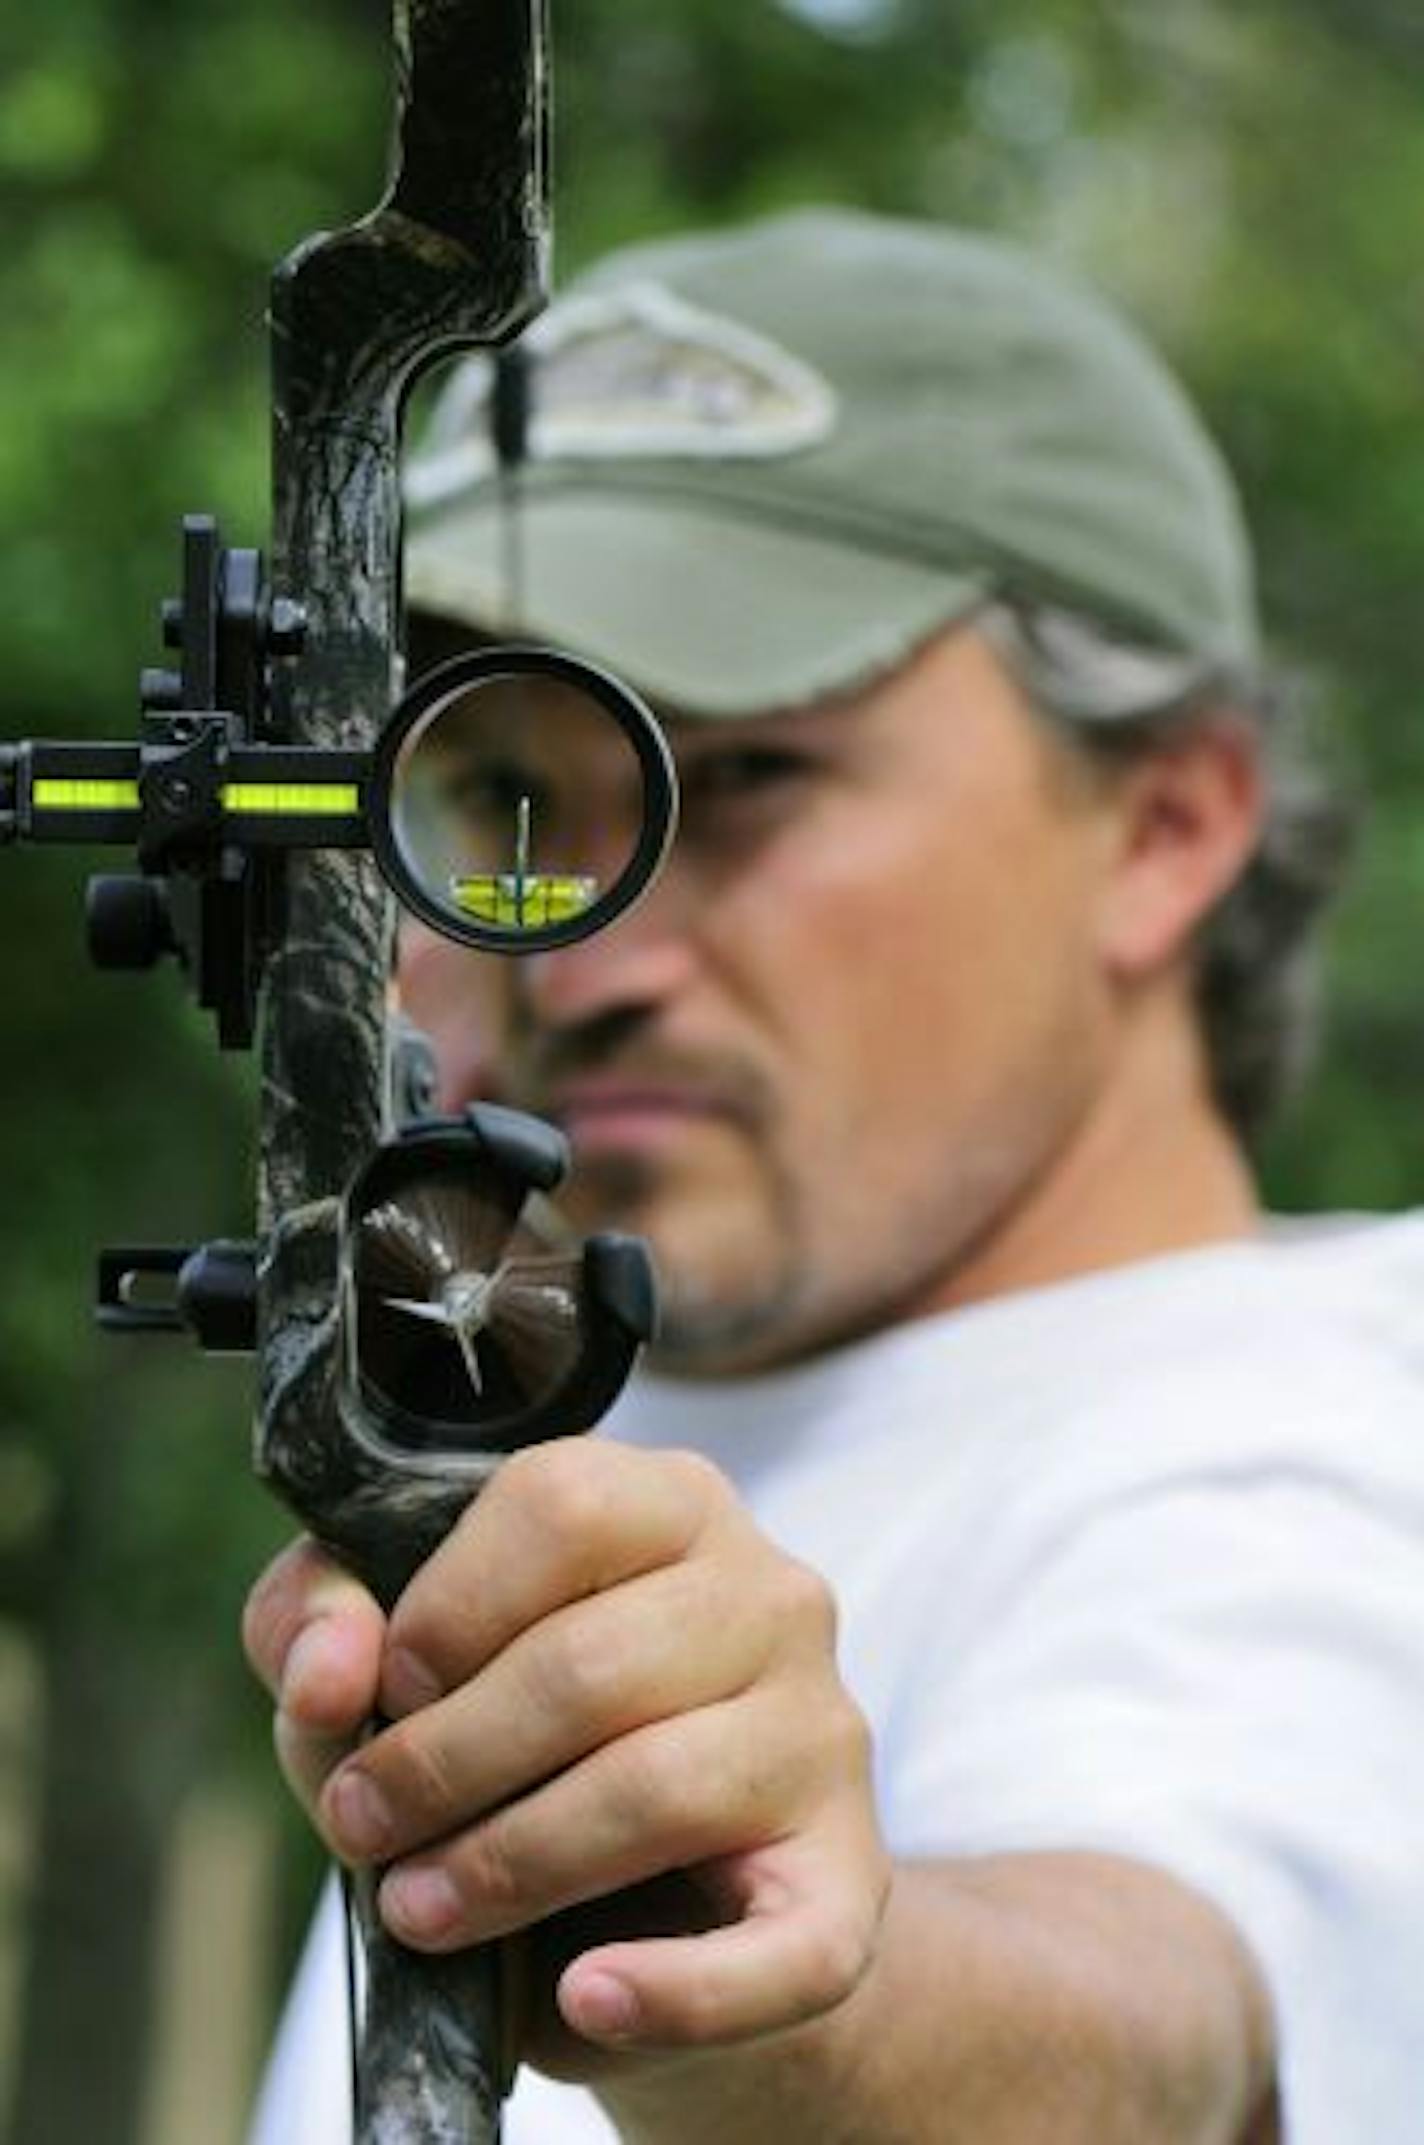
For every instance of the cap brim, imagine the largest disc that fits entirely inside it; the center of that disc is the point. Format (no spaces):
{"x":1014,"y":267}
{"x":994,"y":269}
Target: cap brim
{"x":709,"y":613}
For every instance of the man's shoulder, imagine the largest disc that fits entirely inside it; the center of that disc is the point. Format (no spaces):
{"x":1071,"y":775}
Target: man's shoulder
{"x":1341,"y":1288}
{"x":1301,"y":1353}
{"x":1296,"y":1355}
{"x":1380,"y":1255}
{"x":1304,"y":1285}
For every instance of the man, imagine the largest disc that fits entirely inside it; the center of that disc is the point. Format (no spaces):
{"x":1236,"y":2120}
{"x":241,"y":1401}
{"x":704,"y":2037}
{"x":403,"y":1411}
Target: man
{"x":926,"y":1070}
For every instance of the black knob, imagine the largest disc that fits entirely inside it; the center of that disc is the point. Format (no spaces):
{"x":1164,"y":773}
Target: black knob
{"x":9,"y":817}
{"x":217,"y":1296}
{"x":127,"y":922}
{"x":160,"y":691}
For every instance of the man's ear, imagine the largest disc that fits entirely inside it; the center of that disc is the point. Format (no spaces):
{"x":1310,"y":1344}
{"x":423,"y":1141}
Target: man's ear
{"x":1189,"y":819}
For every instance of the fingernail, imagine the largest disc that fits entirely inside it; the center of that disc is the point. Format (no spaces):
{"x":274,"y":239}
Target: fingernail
{"x":421,"y":1902}
{"x":407,"y":1684}
{"x":601,"y":2008}
{"x":358,"y":1813}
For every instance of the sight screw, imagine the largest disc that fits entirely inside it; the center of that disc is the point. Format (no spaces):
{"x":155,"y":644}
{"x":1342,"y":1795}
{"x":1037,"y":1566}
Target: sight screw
{"x":286,"y":626}
{"x":160,"y":690}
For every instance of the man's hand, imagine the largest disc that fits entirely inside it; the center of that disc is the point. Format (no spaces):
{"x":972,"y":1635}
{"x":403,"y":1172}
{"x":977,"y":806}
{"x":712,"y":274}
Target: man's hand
{"x":605,"y":1677}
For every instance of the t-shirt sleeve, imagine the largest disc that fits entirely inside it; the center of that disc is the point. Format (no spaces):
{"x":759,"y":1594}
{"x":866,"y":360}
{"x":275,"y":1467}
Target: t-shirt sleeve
{"x":1219,"y":1672}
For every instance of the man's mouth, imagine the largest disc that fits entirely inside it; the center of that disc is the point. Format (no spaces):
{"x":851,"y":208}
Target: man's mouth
{"x":602,"y":1114}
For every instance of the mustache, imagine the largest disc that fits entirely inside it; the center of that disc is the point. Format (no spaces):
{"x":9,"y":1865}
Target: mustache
{"x":621,"y":1044}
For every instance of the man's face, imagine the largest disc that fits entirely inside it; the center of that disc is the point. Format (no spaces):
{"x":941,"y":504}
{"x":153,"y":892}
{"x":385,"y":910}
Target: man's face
{"x":856,"y":1021}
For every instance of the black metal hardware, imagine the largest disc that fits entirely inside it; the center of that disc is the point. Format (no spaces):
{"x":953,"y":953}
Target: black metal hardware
{"x":211,"y":1292}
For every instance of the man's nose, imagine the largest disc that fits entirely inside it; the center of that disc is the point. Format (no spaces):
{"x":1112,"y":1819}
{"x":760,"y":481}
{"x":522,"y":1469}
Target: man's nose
{"x":641,"y":960}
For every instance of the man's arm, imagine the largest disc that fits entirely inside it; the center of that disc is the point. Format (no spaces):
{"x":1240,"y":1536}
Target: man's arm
{"x":1018,"y":2000}
{"x":619,"y":1727}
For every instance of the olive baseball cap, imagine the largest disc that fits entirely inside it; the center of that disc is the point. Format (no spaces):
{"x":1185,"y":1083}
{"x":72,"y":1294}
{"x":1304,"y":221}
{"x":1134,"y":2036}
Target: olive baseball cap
{"x":768,"y":464}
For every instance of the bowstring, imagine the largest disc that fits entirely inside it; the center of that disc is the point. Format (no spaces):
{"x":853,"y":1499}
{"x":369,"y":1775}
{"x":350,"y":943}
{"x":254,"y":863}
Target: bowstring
{"x":510,"y":410}
{"x":353,"y":2022}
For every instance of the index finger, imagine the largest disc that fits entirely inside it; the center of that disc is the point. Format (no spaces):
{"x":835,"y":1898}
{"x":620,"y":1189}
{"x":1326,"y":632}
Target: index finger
{"x":556,"y":1523}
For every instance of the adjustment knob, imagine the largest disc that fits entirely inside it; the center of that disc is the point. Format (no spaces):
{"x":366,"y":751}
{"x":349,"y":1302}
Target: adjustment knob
{"x":160,"y":691}
{"x":287,"y":625}
{"x":127,"y":922}
{"x":217,"y":1296}
{"x":9,"y":817}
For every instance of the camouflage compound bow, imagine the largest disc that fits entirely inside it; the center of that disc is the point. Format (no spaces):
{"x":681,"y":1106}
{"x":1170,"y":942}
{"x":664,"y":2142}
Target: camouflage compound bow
{"x":409,"y":1327}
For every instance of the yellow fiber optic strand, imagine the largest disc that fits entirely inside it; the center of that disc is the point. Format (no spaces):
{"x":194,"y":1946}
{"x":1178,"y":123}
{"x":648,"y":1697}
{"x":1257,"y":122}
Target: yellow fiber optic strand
{"x":54,"y":793}
{"x":308,"y":800}
{"x":304,"y":800}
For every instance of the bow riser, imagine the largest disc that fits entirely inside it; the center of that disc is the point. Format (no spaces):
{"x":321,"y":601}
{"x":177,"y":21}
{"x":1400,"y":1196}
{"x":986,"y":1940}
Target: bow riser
{"x":454,"y":255}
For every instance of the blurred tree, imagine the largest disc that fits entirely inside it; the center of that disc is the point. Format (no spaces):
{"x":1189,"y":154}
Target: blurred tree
{"x":1246,"y":182}
{"x":153,"y":163}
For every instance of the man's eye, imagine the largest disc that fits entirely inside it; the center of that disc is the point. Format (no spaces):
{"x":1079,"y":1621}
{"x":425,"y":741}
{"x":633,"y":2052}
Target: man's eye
{"x":750,"y":774}
{"x":493,"y":791}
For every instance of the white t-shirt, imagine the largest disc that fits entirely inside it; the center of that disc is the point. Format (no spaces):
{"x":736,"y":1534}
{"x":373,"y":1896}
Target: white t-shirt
{"x":1133,"y":1564}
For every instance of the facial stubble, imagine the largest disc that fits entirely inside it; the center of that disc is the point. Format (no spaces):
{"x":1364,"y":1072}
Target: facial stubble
{"x":717,"y":1315}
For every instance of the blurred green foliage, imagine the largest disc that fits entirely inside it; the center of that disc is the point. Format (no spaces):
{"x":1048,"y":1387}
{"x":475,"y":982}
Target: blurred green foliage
{"x":1247,"y":181}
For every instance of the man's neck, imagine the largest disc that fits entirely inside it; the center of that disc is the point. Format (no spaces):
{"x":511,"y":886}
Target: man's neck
{"x":1152,"y":1168}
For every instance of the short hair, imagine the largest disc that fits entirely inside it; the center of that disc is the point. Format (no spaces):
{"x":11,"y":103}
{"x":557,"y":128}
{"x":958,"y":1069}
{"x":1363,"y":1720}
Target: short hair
{"x":1257,"y":951}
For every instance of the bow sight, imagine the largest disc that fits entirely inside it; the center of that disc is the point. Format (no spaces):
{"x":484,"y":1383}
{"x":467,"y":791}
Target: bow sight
{"x":473,"y":768}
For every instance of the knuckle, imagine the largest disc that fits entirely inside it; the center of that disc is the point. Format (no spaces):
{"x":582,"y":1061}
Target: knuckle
{"x":848,"y":1737}
{"x":806,"y":1600}
{"x":699,"y":1477}
{"x":578,"y":1675}
{"x":646,"y":1782}
{"x":837,"y":1955}
{"x":428,"y":1642}
{"x":700,"y":2017}
{"x":566,"y":1489}
{"x":491,"y":1870}
{"x":415,"y":1767}
{"x":436,"y":1631}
